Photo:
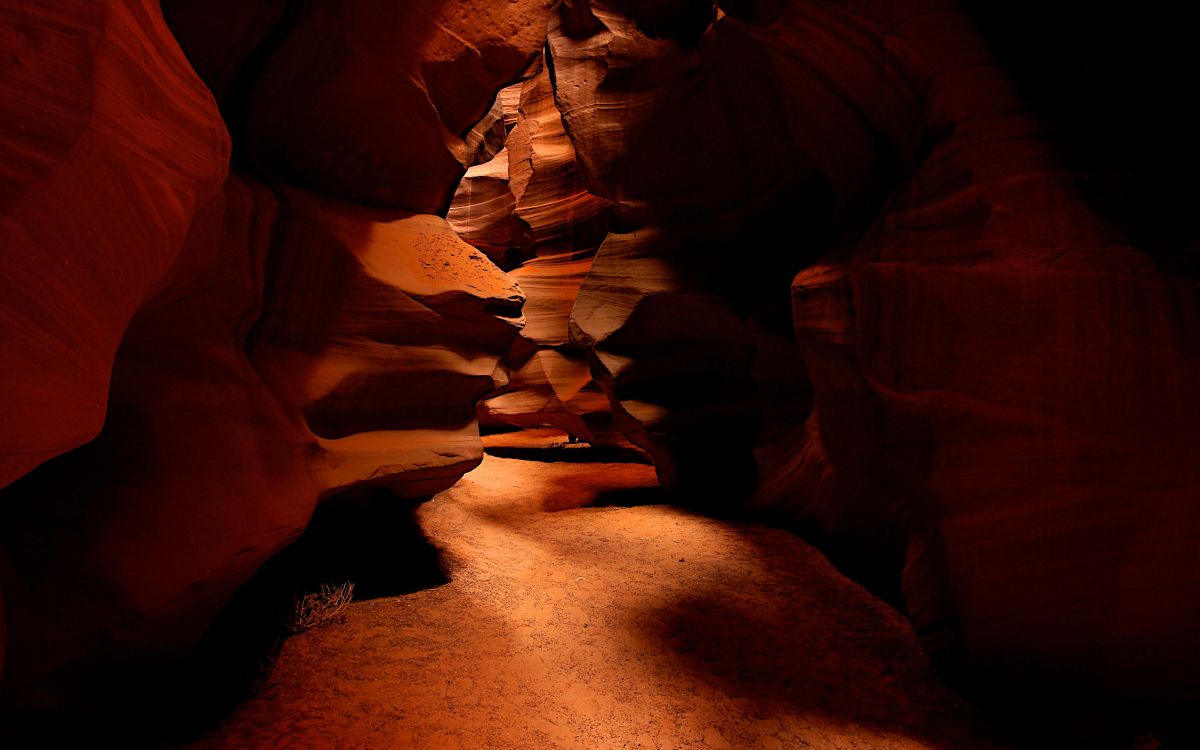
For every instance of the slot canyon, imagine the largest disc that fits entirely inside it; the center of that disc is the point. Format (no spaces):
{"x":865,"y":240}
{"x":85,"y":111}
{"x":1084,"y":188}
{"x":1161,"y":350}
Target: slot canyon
{"x":666,"y":374}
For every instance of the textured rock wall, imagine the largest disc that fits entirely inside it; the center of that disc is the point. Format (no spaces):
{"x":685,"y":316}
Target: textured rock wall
{"x":560,"y":226}
{"x":383,"y":329}
{"x":269,"y":345}
{"x":977,"y":394}
{"x":316,"y":117}
{"x":111,"y":147}
{"x":1020,"y":387}
{"x":992,"y":418}
{"x":722,"y":185}
{"x":121,"y":551}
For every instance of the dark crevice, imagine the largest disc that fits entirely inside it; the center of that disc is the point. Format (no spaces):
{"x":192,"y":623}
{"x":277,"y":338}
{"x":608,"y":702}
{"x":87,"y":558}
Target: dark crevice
{"x":370,"y":538}
{"x":578,"y":453}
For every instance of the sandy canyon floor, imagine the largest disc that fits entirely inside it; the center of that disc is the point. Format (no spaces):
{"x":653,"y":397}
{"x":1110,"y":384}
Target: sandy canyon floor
{"x":572,"y":622}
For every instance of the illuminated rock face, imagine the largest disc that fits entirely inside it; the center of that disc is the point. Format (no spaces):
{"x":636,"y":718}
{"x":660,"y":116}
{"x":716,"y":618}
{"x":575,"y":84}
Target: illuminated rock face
{"x":559,"y":225}
{"x":383,"y":330}
{"x":275,"y":347}
{"x":976,"y":393}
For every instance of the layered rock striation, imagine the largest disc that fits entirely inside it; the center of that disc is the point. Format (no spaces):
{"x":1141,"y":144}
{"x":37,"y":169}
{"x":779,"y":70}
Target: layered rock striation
{"x":722,"y":184}
{"x":560,"y":226}
{"x":1018,"y":386}
{"x":270,"y":344}
{"x":815,"y":259}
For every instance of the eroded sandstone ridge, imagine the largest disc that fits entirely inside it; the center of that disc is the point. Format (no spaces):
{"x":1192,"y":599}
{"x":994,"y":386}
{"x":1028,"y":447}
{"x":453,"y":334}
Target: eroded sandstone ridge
{"x":111,"y":146}
{"x":559,"y":225}
{"x":998,"y":381}
{"x":812,"y":258}
{"x":278,"y":341}
{"x":1001,"y":374}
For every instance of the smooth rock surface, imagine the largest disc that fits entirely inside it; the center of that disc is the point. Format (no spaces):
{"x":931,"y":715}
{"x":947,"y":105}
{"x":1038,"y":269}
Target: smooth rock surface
{"x":111,"y":146}
{"x":1010,"y":388}
{"x":250,"y":335}
{"x":705,"y":141}
{"x":316,"y":117}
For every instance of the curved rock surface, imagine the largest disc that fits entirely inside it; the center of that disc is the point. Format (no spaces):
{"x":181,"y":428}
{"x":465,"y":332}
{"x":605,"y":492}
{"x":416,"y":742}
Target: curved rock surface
{"x":123,"y":550}
{"x":561,"y":225}
{"x":990,"y":415}
{"x":383,"y":329}
{"x":293,"y":347}
{"x":111,"y":146}
{"x":962,"y":456}
{"x":1012,"y":390}
{"x":233,"y":411}
{"x":703,"y":141}
{"x":316,"y":117}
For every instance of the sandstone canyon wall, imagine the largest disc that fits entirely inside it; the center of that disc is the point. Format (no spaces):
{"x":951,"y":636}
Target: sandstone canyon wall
{"x":270,"y":341}
{"x":814,"y":259}
{"x":1022,"y":382}
{"x":998,"y":381}
{"x":559,"y":225}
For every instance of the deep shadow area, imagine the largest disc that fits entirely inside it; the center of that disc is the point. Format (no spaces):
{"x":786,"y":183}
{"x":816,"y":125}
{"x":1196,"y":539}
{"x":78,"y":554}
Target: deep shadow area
{"x":630,"y":497}
{"x":1056,"y":725}
{"x":823,"y":656}
{"x":571,"y":453}
{"x":785,"y":657}
{"x":1027,"y":715}
{"x":371,"y":539}
{"x":1115,"y":83}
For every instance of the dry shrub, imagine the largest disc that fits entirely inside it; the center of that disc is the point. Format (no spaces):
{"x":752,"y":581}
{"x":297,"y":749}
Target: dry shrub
{"x":320,"y":606}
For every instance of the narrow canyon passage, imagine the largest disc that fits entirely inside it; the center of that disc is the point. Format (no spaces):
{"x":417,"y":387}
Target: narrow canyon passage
{"x":612,"y":626}
{"x":478,"y":374}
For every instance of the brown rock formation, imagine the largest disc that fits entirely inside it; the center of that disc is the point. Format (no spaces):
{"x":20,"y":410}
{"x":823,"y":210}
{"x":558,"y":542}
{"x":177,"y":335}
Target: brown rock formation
{"x":990,"y":415}
{"x":955,"y":453}
{"x":377,"y":334}
{"x":702,"y":144}
{"x":316,"y":117}
{"x":121,"y":551}
{"x":293,"y":347}
{"x":383,"y":330}
{"x":1009,"y":385}
{"x":111,"y":146}
{"x":550,"y":382}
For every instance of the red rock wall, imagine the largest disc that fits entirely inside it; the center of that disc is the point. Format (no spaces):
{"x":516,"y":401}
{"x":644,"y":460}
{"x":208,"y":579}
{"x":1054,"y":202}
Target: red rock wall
{"x":722,"y":184}
{"x":976,"y":393}
{"x":535,"y":185}
{"x":1023,"y":385}
{"x":121,"y":551}
{"x":1002,"y":426}
{"x":112,"y":145}
{"x":317,"y":119}
{"x":268,"y":347}
{"x":383,"y":329}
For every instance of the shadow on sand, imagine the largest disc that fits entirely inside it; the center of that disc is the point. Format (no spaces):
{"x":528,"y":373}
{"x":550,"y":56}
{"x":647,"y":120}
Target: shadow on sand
{"x":371,"y":539}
